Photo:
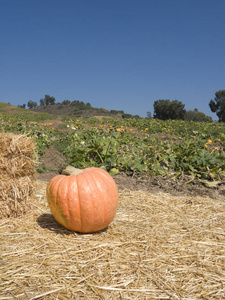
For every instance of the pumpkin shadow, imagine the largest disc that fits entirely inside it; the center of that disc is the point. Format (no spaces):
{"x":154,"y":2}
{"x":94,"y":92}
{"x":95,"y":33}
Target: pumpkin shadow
{"x":47,"y":221}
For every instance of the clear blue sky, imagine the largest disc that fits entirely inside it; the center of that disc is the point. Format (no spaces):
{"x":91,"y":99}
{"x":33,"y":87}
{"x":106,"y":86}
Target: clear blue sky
{"x":116,"y":54}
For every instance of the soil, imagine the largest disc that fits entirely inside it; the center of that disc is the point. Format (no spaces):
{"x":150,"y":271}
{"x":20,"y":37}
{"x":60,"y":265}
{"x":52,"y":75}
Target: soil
{"x":53,"y":162}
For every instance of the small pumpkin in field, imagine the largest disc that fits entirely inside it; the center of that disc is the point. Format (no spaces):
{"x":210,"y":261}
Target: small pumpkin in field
{"x":85,"y":202}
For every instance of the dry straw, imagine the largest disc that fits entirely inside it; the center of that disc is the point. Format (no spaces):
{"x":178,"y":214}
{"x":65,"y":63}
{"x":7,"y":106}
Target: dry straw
{"x":158,"y":247}
{"x":17,"y":173}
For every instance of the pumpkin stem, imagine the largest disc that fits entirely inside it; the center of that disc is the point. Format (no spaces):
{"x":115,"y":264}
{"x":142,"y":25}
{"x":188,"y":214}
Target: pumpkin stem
{"x":69,"y":170}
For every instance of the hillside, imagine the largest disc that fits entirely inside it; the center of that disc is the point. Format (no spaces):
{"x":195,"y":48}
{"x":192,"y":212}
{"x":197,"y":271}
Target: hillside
{"x":72,"y":109}
{"x":75,"y":108}
{"x":6,"y":106}
{"x":76,"y":111}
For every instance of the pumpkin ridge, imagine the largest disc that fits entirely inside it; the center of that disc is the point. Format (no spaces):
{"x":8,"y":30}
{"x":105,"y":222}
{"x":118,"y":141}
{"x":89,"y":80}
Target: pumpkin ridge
{"x":104,"y":174}
{"x":61,"y":207}
{"x":52,"y":195}
{"x":106,"y":185}
{"x":97,"y":184}
{"x":107,"y":194}
{"x":87,"y":181}
{"x":79,"y":202}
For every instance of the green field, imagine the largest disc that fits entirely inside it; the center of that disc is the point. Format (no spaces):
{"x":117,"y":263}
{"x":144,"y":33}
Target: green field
{"x":166,"y":148}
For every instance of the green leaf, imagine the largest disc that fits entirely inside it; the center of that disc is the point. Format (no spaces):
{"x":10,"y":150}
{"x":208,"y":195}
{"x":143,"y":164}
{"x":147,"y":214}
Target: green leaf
{"x":114,"y":171}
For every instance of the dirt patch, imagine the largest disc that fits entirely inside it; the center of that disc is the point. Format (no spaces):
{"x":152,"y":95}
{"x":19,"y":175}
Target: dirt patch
{"x":51,"y":164}
{"x":106,"y":117}
{"x":166,"y":185}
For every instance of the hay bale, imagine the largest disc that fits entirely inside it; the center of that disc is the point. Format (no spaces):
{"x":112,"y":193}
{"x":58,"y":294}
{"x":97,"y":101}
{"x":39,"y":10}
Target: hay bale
{"x":17,"y":173}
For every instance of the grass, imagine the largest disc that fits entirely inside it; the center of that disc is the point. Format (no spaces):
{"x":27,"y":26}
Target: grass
{"x":3,"y":104}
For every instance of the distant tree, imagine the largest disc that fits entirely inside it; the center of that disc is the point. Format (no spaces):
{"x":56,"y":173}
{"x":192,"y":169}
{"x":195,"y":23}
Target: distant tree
{"x":80,"y":105}
{"x":66,"y":102}
{"x":149,"y":115}
{"x":75,"y":102}
{"x":127,"y":116}
{"x":42,"y":102}
{"x":196,"y":116}
{"x":88,"y":105}
{"x":166,"y":109}
{"x":218,"y":105}
{"x":21,"y":106}
{"x":31,"y":104}
{"x":113,"y":111}
{"x":48,"y":100}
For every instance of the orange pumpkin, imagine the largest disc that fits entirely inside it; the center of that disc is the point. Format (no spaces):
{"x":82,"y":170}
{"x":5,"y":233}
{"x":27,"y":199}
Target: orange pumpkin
{"x":86,"y":202}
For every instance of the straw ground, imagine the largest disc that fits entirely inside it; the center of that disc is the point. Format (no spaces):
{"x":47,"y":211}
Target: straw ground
{"x":158,"y":247}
